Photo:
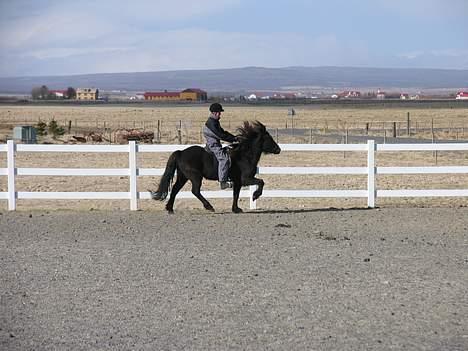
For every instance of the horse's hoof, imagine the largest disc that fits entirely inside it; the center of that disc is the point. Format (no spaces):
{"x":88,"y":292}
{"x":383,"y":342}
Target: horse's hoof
{"x":237,"y":210}
{"x":157,"y":196}
{"x":256,"y":194}
{"x":211,"y":209}
{"x":170,"y":212}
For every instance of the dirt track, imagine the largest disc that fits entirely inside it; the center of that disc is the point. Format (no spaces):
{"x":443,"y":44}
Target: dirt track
{"x":323,"y":280}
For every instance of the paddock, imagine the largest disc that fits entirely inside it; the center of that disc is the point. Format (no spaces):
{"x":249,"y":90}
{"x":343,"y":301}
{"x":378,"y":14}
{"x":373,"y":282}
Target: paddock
{"x":448,"y":186}
{"x":331,"y":279}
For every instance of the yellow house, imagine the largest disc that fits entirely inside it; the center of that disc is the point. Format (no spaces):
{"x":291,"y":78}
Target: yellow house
{"x":87,"y":94}
{"x":193,"y":95}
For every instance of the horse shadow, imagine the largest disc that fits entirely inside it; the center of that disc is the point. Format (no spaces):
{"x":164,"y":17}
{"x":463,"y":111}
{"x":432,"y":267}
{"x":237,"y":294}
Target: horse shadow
{"x":307,"y":210}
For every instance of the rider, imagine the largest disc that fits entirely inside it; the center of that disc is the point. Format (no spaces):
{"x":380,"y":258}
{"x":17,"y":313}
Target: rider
{"x":214,"y":134}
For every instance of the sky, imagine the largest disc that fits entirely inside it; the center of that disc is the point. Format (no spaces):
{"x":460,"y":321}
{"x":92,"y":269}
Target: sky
{"x":87,"y":36}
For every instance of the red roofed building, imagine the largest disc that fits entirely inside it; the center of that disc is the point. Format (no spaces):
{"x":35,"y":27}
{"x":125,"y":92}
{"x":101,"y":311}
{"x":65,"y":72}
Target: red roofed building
{"x":350,"y":94}
{"x":380,"y":95}
{"x":162,"y":95}
{"x":462,"y":95}
{"x":185,"y":95}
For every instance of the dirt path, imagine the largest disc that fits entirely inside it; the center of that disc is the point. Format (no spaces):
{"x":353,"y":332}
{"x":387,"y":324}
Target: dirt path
{"x":308,"y":280}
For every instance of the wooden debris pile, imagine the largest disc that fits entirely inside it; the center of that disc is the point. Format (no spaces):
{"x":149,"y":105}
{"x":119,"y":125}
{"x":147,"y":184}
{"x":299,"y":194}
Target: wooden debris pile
{"x":123,"y":136}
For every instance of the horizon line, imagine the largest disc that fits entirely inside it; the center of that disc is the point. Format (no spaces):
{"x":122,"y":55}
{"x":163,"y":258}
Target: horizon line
{"x":236,"y":68}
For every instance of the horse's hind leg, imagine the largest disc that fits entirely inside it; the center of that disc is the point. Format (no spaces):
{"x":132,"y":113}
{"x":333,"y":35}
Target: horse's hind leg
{"x":180,"y":182}
{"x":196,"y":185}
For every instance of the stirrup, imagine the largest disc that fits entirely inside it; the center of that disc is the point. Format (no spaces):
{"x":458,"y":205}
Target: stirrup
{"x":225,"y":185}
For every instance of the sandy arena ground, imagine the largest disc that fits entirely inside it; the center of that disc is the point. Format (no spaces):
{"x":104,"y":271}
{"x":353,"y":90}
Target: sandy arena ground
{"x":388,"y":279}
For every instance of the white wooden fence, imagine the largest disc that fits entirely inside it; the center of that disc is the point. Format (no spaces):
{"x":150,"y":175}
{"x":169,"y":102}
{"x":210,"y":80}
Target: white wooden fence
{"x":133,"y":172}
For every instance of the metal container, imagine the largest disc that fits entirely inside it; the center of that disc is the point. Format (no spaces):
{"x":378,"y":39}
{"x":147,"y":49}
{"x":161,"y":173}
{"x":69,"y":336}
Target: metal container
{"x":25,"y":134}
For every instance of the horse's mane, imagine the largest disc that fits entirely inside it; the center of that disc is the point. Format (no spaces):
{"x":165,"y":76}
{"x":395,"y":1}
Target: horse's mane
{"x":250,"y":130}
{"x":246,"y":135}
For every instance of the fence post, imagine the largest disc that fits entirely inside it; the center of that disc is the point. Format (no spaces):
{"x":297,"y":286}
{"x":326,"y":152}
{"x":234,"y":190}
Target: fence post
{"x":253,"y":204}
{"x":371,"y":170}
{"x":132,"y":164}
{"x":408,"y":127}
{"x":11,"y":175}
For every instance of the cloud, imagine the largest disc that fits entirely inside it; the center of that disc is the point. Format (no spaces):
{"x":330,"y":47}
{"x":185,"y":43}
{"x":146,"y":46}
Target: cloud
{"x":162,"y":10}
{"x":63,"y":29}
{"x":53,"y":37}
{"x":195,"y":48}
{"x":135,"y":12}
{"x":446,"y":58}
{"x":460,"y":53}
{"x":411,"y":55}
{"x":426,"y":9}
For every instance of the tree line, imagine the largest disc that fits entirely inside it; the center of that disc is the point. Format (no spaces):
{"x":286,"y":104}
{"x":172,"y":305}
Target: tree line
{"x":43,"y":93}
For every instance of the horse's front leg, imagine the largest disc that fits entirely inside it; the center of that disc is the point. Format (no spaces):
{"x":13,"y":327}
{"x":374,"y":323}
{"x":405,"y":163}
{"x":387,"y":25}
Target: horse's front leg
{"x":255,"y":181}
{"x":235,"y":199}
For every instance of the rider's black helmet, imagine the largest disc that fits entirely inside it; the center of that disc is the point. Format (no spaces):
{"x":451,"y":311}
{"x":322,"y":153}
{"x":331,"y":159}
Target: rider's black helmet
{"x":216,"y":107}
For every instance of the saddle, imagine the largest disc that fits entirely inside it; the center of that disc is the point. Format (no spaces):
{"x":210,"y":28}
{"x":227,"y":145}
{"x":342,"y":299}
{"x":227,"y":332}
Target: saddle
{"x":214,"y":160}
{"x":213,"y":156}
{"x":226,"y":148}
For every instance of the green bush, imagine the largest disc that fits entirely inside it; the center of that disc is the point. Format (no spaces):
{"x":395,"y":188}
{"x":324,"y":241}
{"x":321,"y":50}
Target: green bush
{"x":41,"y":128}
{"x":54,"y":129}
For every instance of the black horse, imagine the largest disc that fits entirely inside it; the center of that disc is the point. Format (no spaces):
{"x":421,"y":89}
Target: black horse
{"x":195,"y":163}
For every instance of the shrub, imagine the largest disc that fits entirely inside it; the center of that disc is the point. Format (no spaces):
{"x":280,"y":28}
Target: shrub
{"x":55,"y":129}
{"x":41,"y":128}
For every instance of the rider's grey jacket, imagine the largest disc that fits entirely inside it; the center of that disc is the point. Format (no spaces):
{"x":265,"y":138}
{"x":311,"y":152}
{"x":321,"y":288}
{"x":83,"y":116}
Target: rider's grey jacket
{"x":214,"y":133}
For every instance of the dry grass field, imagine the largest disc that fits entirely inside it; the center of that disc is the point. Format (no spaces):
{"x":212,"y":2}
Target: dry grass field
{"x":189,"y":119}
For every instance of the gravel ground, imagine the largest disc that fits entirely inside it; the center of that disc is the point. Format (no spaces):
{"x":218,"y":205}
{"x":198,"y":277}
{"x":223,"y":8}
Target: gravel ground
{"x":383,"y":279}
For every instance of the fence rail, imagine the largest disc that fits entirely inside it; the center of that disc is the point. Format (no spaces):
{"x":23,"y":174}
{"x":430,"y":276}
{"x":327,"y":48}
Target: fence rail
{"x":133,"y":172}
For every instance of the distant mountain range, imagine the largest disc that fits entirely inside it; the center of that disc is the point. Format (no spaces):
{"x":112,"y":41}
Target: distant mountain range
{"x":250,"y":79}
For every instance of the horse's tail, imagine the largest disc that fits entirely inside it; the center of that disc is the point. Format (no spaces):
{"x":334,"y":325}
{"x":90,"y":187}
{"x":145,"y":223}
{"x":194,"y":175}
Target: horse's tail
{"x":166,"y":180}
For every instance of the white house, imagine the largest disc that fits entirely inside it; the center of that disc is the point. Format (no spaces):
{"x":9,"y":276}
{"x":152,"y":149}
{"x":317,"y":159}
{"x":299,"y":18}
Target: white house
{"x":60,"y":94}
{"x":380,"y":95}
{"x":462,"y":95}
{"x":350,"y":94}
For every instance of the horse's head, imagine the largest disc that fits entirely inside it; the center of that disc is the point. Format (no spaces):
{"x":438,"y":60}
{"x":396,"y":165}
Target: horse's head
{"x":257,"y":133}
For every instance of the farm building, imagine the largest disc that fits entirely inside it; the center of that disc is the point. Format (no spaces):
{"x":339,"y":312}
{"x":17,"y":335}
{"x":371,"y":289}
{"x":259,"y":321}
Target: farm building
{"x":87,"y":94}
{"x":462,"y":95}
{"x":193,"y":95}
{"x":60,"y":94}
{"x":162,"y":95}
{"x":185,"y":95}
{"x":380,"y":95}
{"x":350,"y":94}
